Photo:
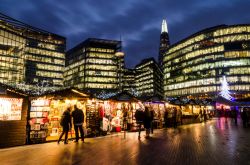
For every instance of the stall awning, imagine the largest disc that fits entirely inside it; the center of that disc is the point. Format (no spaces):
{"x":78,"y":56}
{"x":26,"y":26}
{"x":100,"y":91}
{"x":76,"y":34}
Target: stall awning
{"x":124,"y":96}
{"x":71,"y":93}
{"x":9,"y":90}
{"x":154,"y":98}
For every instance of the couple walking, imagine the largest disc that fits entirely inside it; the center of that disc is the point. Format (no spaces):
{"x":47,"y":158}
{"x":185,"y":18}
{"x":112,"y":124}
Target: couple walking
{"x":145,"y":118}
{"x":78,"y":119}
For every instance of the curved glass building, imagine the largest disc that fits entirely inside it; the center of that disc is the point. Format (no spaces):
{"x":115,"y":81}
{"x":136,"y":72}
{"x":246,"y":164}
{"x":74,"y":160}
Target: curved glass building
{"x":196,"y":65}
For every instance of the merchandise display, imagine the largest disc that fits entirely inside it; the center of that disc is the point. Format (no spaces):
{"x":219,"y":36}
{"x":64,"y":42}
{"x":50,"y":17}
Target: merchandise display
{"x":39,"y":121}
{"x":92,"y":122}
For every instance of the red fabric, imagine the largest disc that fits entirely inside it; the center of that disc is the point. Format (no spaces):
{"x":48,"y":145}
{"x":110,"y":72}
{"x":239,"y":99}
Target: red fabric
{"x":101,"y":112}
{"x":118,"y":129}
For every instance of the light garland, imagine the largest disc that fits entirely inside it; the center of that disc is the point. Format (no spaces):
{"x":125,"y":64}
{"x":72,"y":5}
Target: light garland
{"x":134,"y":92}
{"x":105,"y":95}
{"x":38,"y":89}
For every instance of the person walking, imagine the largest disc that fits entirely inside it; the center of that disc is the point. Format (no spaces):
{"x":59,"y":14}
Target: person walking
{"x":166,"y":118}
{"x":66,"y":124}
{"x":139,"y":116}
{"x":244,"y":118}
{"x":152,"y":121}
{"x":234,"y":116}
{"x":78,"y":119}
{"x":175,"y":117}
{"x":147,"y":121}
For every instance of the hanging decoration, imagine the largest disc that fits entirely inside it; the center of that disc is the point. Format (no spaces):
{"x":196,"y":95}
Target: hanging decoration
{"x":105,"y":95}
{"x":37,"y":89}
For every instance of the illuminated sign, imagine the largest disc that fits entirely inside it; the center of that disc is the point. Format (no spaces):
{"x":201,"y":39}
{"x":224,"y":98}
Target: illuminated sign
{"x":10,"y":108}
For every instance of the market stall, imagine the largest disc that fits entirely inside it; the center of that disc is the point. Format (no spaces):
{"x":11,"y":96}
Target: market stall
{"x":120,"y":110}
{"x":46,"y":110}
{"x":157,"y":105}
{"x":172,"y":113}
{"x":13,"y":116}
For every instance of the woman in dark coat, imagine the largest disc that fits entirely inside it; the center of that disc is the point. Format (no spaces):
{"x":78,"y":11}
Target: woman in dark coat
{"x":66,"y":124}
{"x":147,"y":121}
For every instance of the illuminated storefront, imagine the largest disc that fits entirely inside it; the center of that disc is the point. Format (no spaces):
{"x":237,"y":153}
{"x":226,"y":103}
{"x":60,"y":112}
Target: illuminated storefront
{"x":195,"y":66}
{"x":29,"y":54}
{"x":93,"y":65}
{"x":13,"y":116}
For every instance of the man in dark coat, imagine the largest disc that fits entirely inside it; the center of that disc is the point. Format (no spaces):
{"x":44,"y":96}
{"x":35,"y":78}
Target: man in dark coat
{"x":78,"y":119}
{"x":147,"y":121}
{"x":66,"y":124}
{"x":139,"y":116}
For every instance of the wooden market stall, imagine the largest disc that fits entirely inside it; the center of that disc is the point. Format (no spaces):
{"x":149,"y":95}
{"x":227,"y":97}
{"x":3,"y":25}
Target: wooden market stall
{"x":158,"y":106}
{"x":13,"y":116}
{"x":120,"y":111}
{"x":46,"y":110}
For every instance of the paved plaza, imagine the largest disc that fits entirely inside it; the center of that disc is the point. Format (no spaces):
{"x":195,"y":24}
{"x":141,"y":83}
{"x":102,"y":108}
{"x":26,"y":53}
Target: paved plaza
{"x":218,"y":141}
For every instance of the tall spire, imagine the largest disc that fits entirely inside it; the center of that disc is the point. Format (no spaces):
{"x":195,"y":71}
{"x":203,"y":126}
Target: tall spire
{"x":164,"y":41}
{"x":164,"y":27}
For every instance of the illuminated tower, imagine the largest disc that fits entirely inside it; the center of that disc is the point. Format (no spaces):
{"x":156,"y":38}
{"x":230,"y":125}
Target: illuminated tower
{"x":164,"y":41}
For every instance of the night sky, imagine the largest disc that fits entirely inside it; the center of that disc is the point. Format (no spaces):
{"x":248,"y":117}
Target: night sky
{"x":137,"y":21}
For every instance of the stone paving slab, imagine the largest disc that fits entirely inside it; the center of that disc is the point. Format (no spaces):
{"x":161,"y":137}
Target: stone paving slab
{"x":218,"y":141}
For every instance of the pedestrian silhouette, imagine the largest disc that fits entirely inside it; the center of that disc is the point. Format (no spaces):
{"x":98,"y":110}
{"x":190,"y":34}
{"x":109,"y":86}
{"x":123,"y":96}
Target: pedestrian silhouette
{"x":78,"y":119}
{"x":139,"y":116}
{"x":147,"y":121}
{"x":244,"y":118}
{"x":66,"y":124}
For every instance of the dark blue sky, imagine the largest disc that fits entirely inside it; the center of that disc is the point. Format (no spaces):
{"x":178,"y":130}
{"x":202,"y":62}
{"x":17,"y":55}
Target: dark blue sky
{"x":137,"y":21}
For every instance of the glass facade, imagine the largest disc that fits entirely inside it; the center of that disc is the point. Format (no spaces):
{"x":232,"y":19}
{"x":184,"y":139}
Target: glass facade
{"x":93,"y":64}
{"x":148,"y":78}
{"x":129,"y":80}
{"x":29,"y":54}
{"x":195,"y":66}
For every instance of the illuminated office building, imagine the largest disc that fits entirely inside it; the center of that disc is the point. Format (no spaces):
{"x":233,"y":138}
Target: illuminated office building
{"x":29,"y":54}
{"x":149,"y":78}
{"x":195,"y":66}
{"x":129,"y":80}
{"x":94,"y":65}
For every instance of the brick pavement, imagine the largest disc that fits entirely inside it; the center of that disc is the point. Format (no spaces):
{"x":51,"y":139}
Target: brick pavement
{"x":217,"y":141}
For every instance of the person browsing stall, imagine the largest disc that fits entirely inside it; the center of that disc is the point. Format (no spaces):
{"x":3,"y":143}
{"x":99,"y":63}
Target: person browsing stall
{"x":65,"y":122}
{"x":78,"y":119}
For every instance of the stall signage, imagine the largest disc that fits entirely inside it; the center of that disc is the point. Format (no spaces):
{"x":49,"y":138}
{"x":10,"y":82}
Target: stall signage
{"x":10,"y":108}
{"x":40,"y":103}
